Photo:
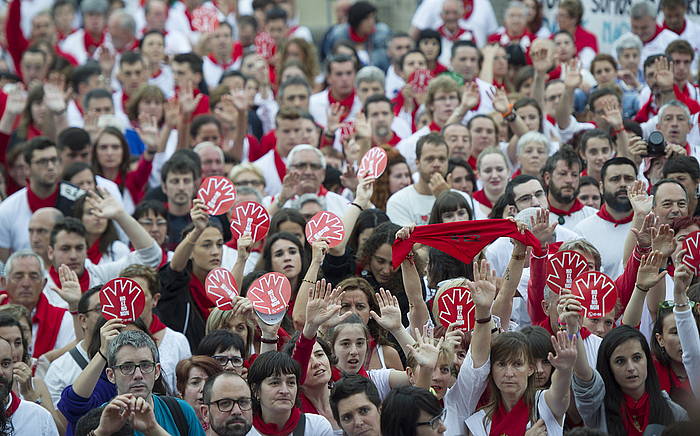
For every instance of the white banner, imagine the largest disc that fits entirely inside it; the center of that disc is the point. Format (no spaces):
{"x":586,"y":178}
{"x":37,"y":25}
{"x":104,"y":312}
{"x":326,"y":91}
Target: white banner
{"x":609,"y":19}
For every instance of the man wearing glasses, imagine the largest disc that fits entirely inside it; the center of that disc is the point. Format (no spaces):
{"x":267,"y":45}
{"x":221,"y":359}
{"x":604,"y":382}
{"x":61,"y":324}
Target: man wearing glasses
{"x":227,"y":405}
{"x":133,"y":366}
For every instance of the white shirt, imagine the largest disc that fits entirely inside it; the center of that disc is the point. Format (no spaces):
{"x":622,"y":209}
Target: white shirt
{"x":316,"y":425}
{"x":213,"y":71}
{"x":273,"y":181}
{"x":573,"y":128}
{"x":609,"y":239}
{"x":165,"y":81}
{"x":116,"y":251}
{"x":66,"y":333}
{"x":75,"y":117}
{"x":482,"y":21}
{"x":407,"y":206}
{"x":571,"y":221}
{"x":176,"y":42}
{"x":74,"y":45}
{"x":407,"y":147}
{"x":691,"y":33}
{"x":63,"y":371}
{"x":658,"y":44}
{"x":173,"y":348}
{"x":14,"y":221}
{"x":393,"y":83}
{"x":32,"y":419}
{"x":319,"y":104}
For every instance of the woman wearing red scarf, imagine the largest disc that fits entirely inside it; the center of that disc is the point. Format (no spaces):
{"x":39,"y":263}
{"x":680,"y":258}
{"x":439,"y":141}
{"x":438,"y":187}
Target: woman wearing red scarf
{"x":493,"y":171}
{"x":103,"y":241}
{"x":621,"y":396}
{"x":505,"y":364}
{"x":274,"y":383}
{"x":430,"y":44}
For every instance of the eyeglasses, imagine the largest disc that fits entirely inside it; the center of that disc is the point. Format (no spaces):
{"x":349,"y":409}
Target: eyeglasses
{"x":227,"y":404}
{"x":248,"y":183}
{"x":129,"y":368}
{"x":236,"y":361}
{"x":669,"y":304}
{"x":150,"y":223}
{"x":94,"y":309}
{"x":305,"y":165}
{"x":44,"y":162}
{"x":435,"y":422}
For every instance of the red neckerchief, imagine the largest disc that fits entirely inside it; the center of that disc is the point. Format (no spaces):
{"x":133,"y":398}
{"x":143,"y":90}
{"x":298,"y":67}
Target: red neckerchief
{"x":393,"y":141}
{"x":450,"y":36}
{"x":346,"y":103}
{"x":337,"y":374}
{"x":434,"y":127}
{"x":132,"y":46}
{"x":156,"y":325}
{"x":635,"y":411}
{"x":36,"y":203}
{"x":472,"y":162}
{"x":647,"y":111}
{"x":291,"y":31}
{"x":584,"y":173}
{"x":272,"y":430}
{"x":398,"y":102}
{"x":49,"y":319}
{"x":84,"y":279}
{"x":658,"y":30}
{"x":463,"y":239}
{"x":574,"y":208}
{"x":279,"y":164}
{"x":354,"y":37}
{"x":188,"y":14}
{"x":517,"y":172}
{"x":79,"y":106}
{"x":480,"y":197}
{"x":14,"y":404}
{"x":163,"y":259}
{"x":513,"y":423}
{"x":499,"y":85}
{"x":604,"y":214}
{"x":94,"y":253}
{"x":125,"y":100}
{"x":236,"y":53}
{"x":468,"y":8}
{"x":439,"y":69}
{"x":91,"y":44}
{"x":33,"y":131}
{"x":677,"y":33}
{"x":156,"y":74}
{"x":199,"y":296}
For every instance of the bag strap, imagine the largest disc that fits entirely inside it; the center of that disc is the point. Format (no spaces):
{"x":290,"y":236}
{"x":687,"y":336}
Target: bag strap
{"x":301,"y":426}
{"x":79,"y":359}
{"x":178,"y":416}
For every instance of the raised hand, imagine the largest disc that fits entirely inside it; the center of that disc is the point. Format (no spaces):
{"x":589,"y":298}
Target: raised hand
{"x":405,"y":232}
{"x":565,"y":352}
{"x":108,"y":332}
{"x":22,"y":374}
{"x":662,"y":240}
{"x":612,"y":114}
{"x":243,"y":245}
{"x":318,"y":251}
{"x":438,"y":184}
{"x":148,"y":131}
{"x":682,"y":275}
{"x":106,"y":61}
{"x":324,"y":303}
{"x":643,"y":235}
{"x":54,"y":98}
{"x":289,"y":186}
{"x":648,"y":274}
{"x":188,"y":101}
{"x":390,"y":318}
{"x":499,"y":99}
{"x":335,"y":113}
{"x":242,"y":306}
{"x":104,"y":205}
{"x":541,"y":228}
{"x":453,"y":336}
{"x":470,"y":96}
{"x":240,"y":99}
{"x":484,"y":286}
{"x":425,"y":351}
{"x":571,"y":71}
{"x":541,"y":59}
{"x":639,"y":198}
{"x":199,"y":215}
{"x":364,"y":191}
{"x":226,"y":110}
{"x":16,"y":100}
{"x":570,"y":311}
{"x":70,"y":287}
{"x":664,"y":74}
{"x":172,"y":112}
{"x":363,"y":129}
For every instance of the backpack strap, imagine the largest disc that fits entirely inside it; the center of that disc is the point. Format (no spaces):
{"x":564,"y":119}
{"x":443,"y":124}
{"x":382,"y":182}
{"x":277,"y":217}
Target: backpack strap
{"x":79,"y":359}
{"x":177,"y":413}
{"x":301,"y":426}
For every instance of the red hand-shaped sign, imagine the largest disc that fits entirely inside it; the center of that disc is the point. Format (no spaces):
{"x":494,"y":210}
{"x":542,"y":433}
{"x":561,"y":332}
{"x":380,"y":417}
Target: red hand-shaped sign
{"x":221,"y":288}
{"x":270,"y":295}
{"x":264,"y":45}
{"x":218,"y":194}
{"x":205,"y":19}
{"x":250,"y":217}
{"x":563,"y":267}
{"x":456,"y":305}
{"x":373,"y":163}
{"x":122,"y":298}
{"x":325,"y":225}
{"x":597,"y":293}
{"x":692,"y":247}
{"x":419,"y":79}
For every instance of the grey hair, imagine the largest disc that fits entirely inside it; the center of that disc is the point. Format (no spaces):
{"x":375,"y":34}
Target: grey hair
{"x":627,"y":41}
{"x":124,"y":20}
{"x":305,"y":147}
{"x":516,"y":4}
{"x":206,"y":145}
{"x":23,"y":254}
{"x":641,"y":9}
{"x":247,"y":190}
{"x":305,"y":198}
{"x":678,"y":104}
{"x":531,"y":137}
{"x":370,"y":74}
{"x":132,"y":338}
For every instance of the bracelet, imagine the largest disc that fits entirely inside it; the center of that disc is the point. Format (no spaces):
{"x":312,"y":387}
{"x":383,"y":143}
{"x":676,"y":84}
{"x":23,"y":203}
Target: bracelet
{"x":308,"y":281}
{"x":269,"y":341}
{"x":357,"y":206}
{"x":508,"y":111}
{"x":618,"y":131}
{"x":641,"y":289}
{"x":102,"y":355}
{"x":686,"y":304}
{"x":484,"y":320}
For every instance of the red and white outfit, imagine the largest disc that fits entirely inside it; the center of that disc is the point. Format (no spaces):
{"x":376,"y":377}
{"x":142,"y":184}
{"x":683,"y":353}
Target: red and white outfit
{"x":649,"y":108}
{"x":214,"y":69}
{"x":485,"y":105}
{"x":657,"y":43}
{"x":165,"y":80}
{"x":586,"y":46}
{"x":274,"y":168}
{"x":691,"y":33}
{"x":608,"y":236}
{"x":478,"y":16}
{"x":81,"y":45}
{"x":448,"y":38}
{"x":394,"y":83}
{"x":690,"y":90}
{"x":502,"y":38}
{"x":27,"y":417}
{"x":321,"y":101}
{"x":577,"y":213}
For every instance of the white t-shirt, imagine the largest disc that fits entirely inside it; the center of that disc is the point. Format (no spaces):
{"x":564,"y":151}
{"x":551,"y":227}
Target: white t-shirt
{"x":571,"y":221}
{"x":32,"y":419}
{"x":319,"y":104}
{"x":393,"y":83}
{"x":173,"y":348}
{"x":407,"y":206}
{"x":658,"y":44}
{"x":63,"y":372}
{"x":316,"y":425}
{"x":14,"y":221}
{"x":609,"y":239}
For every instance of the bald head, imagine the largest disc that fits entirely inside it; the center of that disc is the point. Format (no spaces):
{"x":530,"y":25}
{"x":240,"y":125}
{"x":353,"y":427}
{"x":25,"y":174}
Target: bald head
{"x":40,"y":226}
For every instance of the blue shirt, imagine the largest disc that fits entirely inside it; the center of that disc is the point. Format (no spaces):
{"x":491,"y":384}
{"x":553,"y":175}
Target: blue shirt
{"x":166,"y":420}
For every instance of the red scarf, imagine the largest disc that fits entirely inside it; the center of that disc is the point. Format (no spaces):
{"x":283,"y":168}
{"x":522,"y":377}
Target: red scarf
{"x":355,"y":37}
{"x":346,"y":103}
{"x":669,"y":380}
{"x":573,"y":209}
{"x":337,"y":374}
{"x":236,"y":53}
{"x":434,"y":127}
{"x":604,"y":214}
{"x":480,"y":196}
{"x":463,"y":239}
{"x":49,"y":319}
{"x":84,"y":279}
{"x":680,"y":32}
{"x":272,"y":429}
{"x":156,"y":325}
{"x":199,"y":296}
{"x":468,"y":8}
{"x":279,"y":164}
{"x":94,"y":253}
{"x":658,"y":30}
{"x":91,"y":44}
{"x":439,"y":69}
{"x":513,"y":423}
{"x":450,"y":36}
{"x":14,"y":404}
{"x":472,"y":162}
{"x":35,"y":202}
{"x":635,"y":411}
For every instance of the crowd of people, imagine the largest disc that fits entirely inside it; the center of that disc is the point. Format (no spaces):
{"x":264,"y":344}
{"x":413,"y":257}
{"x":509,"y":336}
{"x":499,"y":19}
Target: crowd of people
{"x":505,"y":145}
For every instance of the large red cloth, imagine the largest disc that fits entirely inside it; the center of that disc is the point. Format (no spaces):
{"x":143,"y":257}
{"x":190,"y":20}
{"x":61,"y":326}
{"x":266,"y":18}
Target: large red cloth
{"x":463,"y":239}
{"x":272,"y":429}
{"x":513,"y":423}
{"x":49,"y":319}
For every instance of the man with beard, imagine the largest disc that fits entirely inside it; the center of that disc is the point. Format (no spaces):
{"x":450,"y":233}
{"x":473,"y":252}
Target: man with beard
{"x":228,"y":407}
{"x":561,"y":174}
{"x":21,"y":417}
{"x":608,"y":228}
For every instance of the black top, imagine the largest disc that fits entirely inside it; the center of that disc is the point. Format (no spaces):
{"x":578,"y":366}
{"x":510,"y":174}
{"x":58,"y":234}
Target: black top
{"x":176,"y":308}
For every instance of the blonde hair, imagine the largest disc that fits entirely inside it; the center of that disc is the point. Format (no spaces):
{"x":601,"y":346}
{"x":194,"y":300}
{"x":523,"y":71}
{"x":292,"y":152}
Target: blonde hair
{"x":245,"y":167}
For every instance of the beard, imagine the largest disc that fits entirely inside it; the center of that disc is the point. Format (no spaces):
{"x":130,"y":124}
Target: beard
{"x":5,"y":387}
{"x":233,"y":426}
{"x":559,"y":196}
{"x":382,"y":131}
{"x":615,"y":203}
